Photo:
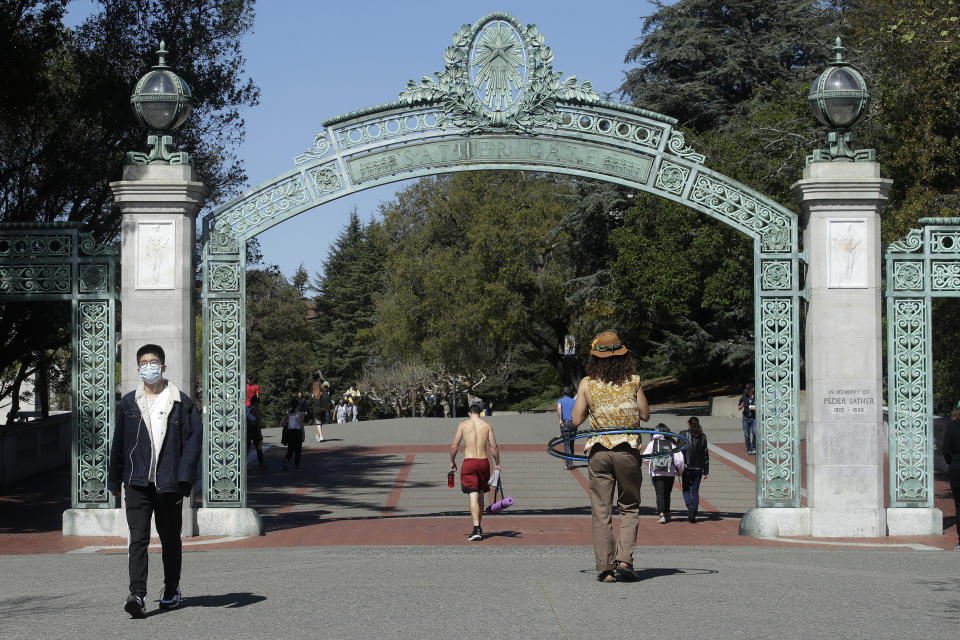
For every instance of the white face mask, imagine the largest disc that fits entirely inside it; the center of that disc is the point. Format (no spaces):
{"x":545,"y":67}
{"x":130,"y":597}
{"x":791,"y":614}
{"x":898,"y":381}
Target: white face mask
{"x":150,"y":373}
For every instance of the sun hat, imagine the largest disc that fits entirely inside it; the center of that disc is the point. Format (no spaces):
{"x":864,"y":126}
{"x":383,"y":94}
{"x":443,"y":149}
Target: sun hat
{"x":607,"y":344}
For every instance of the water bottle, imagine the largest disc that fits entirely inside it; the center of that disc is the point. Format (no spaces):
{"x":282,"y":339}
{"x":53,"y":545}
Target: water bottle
{"x":450,"y":479}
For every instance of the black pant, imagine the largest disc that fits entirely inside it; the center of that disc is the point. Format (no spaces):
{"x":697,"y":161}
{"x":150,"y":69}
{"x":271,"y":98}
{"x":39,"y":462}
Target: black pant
{"x":663,"y":485}
{"x":955,"y":488}
{"x":142,"y":502}
{"x":294,"y":448}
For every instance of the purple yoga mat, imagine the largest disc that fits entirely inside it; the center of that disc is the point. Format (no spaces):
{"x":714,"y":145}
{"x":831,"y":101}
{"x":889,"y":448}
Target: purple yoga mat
{"x":500,"y":505}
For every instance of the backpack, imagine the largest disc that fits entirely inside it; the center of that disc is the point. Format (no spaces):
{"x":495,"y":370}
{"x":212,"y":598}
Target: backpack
{"x":661,"y":464}
{"x":250,"y":416}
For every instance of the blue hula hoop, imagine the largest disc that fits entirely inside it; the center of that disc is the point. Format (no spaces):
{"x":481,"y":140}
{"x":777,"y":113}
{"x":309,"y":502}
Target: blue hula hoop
{"x":552,"y":445}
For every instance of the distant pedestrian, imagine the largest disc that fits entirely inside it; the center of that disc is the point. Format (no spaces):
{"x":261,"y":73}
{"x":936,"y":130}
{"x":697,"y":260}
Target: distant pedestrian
{"x":254,"y":433}
{"x":341,"y":412}
{"x":292,"y":435}
{"x":564,"y":414}
{"x":352,"y":398}
{"x":951,"y":454}
{"x":301,"y":406}
{"x":663,"y":469}
{"x":748,"y":407}
{"x":156,"y":447}
{"x":320,"y":407}
{"x":613,"y":396}
{"x":697,"y":459}
{"x":253,"y":389}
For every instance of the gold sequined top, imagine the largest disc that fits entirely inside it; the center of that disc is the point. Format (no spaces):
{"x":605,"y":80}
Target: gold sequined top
{"x":614,"y":406}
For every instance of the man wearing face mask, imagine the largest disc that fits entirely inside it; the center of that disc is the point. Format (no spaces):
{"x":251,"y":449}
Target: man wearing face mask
{"x":156,"y":447}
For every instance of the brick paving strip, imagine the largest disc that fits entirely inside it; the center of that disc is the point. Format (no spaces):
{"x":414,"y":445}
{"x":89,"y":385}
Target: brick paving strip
{"x":396,"y":494}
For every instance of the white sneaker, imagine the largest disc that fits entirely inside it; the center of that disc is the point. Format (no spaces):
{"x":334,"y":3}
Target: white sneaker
{"x":318,"y":438}
{"x":663,"y":520}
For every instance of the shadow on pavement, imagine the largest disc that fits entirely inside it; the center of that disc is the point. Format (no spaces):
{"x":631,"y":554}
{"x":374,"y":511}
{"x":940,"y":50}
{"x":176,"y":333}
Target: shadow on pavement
{"x":225,"y":601}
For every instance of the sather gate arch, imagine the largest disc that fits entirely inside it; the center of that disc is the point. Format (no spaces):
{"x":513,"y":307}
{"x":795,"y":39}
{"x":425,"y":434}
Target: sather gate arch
{"x":498,"y":104}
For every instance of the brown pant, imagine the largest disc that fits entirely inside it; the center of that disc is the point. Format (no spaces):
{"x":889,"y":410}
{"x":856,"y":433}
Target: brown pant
{"x":618,"y":467}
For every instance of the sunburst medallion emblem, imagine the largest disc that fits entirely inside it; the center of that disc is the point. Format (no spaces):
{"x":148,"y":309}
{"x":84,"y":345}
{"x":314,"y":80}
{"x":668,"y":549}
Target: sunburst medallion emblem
{"x":498,"y":66}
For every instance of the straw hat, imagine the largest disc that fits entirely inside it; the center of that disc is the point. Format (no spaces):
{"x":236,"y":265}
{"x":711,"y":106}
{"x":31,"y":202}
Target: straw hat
{"x":607,"y":344}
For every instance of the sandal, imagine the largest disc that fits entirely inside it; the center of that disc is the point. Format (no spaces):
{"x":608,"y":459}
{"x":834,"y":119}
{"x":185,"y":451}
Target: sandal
{"x":607,"y":576}
{"x":625,"y":572}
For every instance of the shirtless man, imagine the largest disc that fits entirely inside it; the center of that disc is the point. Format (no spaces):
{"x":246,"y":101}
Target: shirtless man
{"x":476,"y":434}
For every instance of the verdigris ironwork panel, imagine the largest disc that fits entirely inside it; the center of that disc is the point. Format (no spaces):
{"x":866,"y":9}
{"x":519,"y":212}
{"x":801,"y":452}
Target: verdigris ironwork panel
{"x":777,"y":446}
{"x":923,"y":265}
{"x":223,"y":387}
{"x":909,"y":382}
{"x":37,"y":246}
{"x":51,"y":278}
{"x":776,"y":275}
{"x":94,"y":400}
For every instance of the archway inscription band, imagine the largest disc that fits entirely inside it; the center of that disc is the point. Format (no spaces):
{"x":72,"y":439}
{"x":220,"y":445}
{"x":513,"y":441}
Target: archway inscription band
{"x":478,"y":115}
{"x":923,"y":265}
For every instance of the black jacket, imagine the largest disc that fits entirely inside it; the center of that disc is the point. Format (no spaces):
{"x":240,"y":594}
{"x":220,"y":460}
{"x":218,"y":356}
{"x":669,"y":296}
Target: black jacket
{"x":130,"y":454}
{"x":696,"y":455}
{"x":951,"y":447}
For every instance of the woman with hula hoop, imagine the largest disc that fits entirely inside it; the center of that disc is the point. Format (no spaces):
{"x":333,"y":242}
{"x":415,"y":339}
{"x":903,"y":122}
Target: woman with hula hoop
{"x":613,"y":396}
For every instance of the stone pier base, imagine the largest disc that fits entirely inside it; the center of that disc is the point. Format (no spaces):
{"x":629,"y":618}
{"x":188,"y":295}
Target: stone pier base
{"x":113,"y":522}
{"x":771,"y":522}
{"x":229,"y":522}
{"x":914,"y":522}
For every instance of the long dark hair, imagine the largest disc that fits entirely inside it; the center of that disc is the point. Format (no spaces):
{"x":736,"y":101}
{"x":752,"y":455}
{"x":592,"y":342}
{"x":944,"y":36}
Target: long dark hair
{"x":694,"y":423}
{"x":612,"y":370}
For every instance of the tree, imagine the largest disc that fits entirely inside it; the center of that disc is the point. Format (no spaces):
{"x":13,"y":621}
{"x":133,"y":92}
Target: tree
{"x":279,"y":340}
{"x":699,"y":60}
{"x":348,"y":291}
{"x":478,"y":272}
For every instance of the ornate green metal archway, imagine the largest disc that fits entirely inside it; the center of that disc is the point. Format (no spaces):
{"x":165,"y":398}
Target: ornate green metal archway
{"x":923,"y":265}
{"x":498,"y":104}
{"x":57,"y":262}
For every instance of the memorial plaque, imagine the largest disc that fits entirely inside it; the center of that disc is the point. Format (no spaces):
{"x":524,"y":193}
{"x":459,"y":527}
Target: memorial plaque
{"x":847,"y":402}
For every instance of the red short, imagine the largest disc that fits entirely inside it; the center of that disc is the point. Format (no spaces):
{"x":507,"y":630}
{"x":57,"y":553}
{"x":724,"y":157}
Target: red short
{"x":474,"y":475}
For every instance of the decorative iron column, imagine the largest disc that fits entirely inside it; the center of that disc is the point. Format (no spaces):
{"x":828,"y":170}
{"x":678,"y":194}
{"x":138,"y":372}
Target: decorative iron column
{"x":923,"y":265}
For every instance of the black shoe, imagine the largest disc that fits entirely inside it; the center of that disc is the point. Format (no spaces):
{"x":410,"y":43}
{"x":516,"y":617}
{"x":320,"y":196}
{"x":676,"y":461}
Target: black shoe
{"x":476,"y":534}
{"x":691,"y":514}
{"x":607,"y":576}
{"x":625,"y":572}
{"x":170,"y":598}
{"x":135,"y":606}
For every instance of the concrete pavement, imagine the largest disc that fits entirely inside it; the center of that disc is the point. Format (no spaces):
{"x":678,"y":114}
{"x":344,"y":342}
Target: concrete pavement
{"x":366,"y":540}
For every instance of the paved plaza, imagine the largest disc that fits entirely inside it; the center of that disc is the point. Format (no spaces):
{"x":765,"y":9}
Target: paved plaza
{"x":367,"y":541}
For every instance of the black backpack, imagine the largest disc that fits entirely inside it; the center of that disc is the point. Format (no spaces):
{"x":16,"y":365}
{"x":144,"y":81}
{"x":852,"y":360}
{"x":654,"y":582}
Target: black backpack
{"x":661,"y":464}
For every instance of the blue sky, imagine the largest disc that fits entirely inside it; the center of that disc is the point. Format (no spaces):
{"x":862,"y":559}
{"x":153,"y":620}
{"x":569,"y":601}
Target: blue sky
{"x":317,"y":59}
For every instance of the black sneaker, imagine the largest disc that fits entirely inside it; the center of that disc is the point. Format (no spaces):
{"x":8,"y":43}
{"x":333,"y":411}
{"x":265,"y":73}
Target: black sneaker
{"x":170,"y":598}
{"x":135,"y":606}
{"x":476,"y":534}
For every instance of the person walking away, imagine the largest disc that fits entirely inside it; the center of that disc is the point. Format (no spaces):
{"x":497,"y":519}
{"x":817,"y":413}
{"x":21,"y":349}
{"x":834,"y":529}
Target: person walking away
{"x":253,"y":389}
{"x":663,"y":469}
{"x":254,"y":434}
{"x":352,"y":397}
{"x":156,"y":447}
{"x":612,"y":394}
{"x":341,"y":412}
{"x":302,"y":407}
{"x":748,"y":406}
{"x":477,"y":436}
{"x":320,"y":407}
{"x":951,"y":454}
{"x":292,"y":435}
{"x":567,"y":430}
{"x":696,"y":458}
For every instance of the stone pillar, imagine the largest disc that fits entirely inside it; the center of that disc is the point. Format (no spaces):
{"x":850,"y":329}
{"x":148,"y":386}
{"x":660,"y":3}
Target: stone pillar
{"x":846,"y":440}
{"x":159,"y":204}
